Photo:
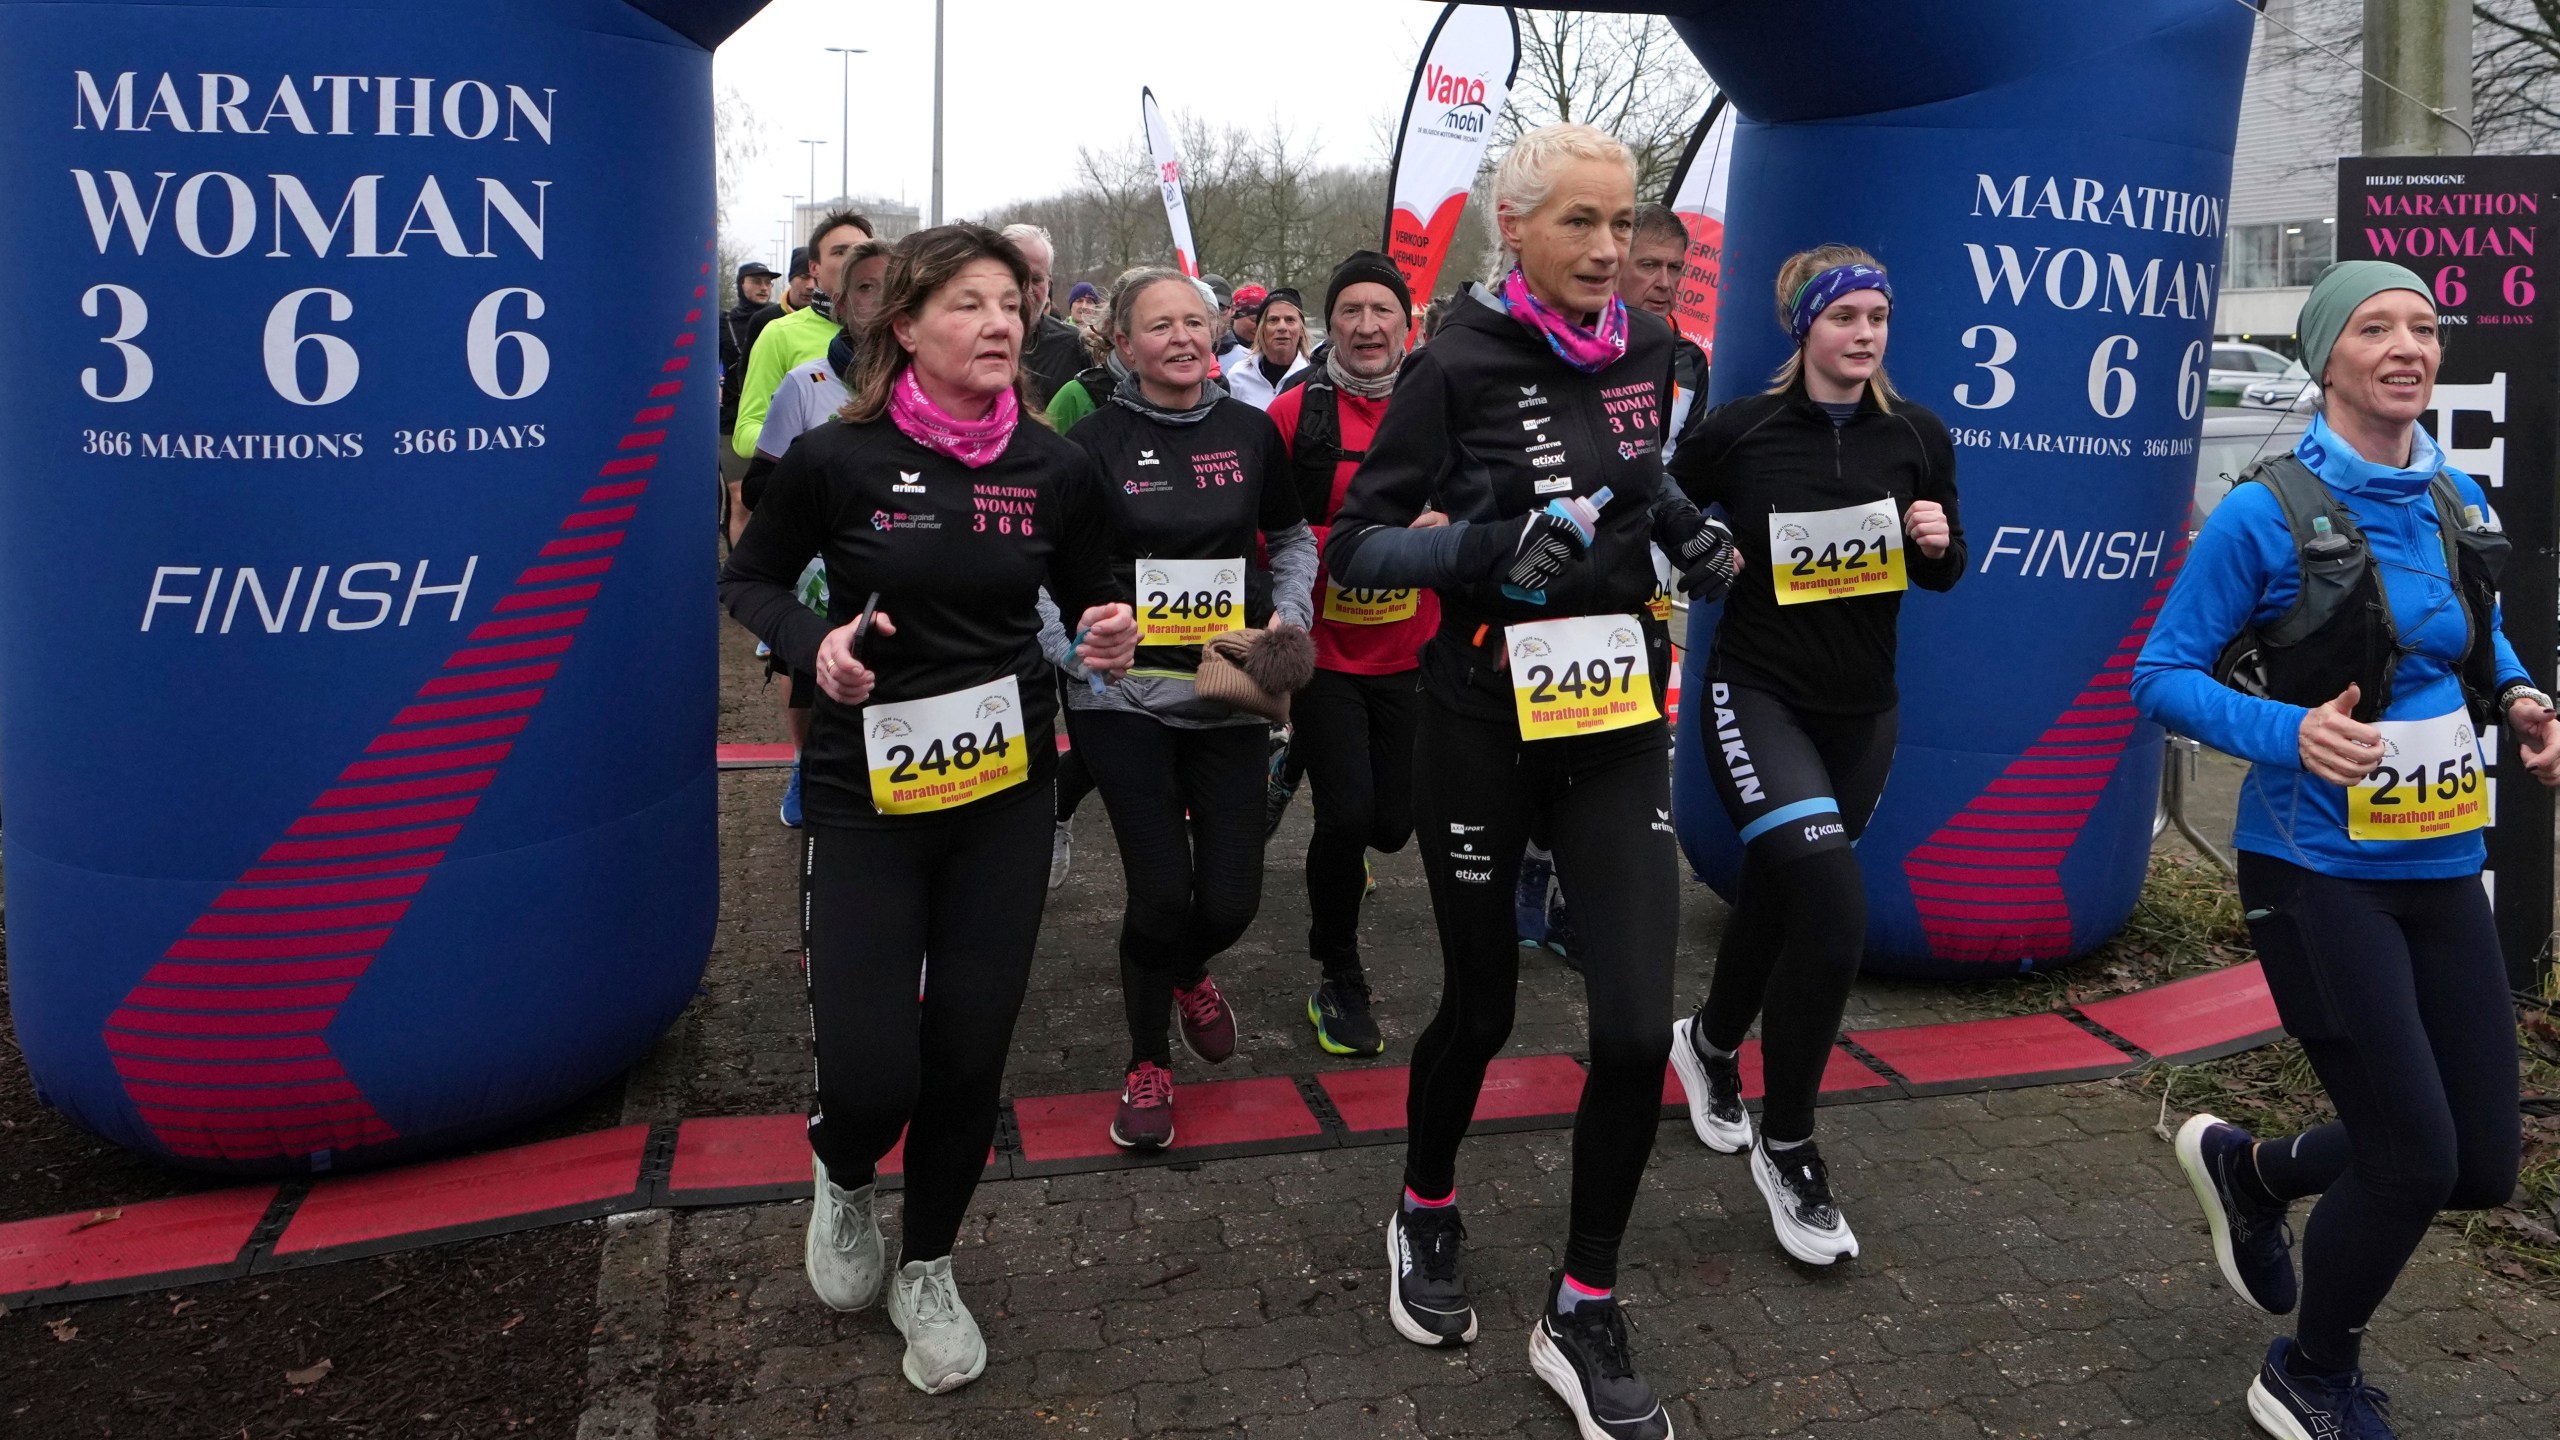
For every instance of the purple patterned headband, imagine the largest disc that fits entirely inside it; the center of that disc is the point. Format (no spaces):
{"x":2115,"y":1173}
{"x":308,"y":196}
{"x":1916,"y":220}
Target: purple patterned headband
{"x":1815,"y":295}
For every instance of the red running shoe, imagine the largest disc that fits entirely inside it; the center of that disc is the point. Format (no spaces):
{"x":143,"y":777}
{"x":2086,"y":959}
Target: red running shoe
{"x":1208,"y":1022}
{"x":1145,"y":1121}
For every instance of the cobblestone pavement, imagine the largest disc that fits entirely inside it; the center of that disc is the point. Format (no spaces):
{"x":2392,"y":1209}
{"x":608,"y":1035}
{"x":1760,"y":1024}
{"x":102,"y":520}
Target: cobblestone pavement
{"x":2033,"y":1263}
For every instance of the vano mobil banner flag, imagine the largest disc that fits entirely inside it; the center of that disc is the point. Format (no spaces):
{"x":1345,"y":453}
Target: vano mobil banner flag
{"x":1698,"y":197}
{"x":1169,"y":177}
{"x":1466,"y":71}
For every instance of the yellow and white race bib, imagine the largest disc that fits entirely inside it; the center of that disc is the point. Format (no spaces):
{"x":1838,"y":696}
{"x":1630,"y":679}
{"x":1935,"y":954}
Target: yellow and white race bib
{"x":1832,"y":554}
{"x":2429,"y":783}
{"x":1580,"y":676}
{"x":1184,"y":602}
{"x":937,"y":753}
{"x":1369,"y":607}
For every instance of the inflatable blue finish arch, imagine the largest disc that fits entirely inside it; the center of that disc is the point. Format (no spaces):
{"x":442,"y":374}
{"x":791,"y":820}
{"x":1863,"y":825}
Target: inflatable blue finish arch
{"x":356,"y":670}
{"x":2047,"y":184}
{"x":357,"y":664}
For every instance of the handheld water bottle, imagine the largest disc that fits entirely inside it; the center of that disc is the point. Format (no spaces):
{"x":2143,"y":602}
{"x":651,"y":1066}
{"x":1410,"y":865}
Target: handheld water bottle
{"x":1583,"y":513}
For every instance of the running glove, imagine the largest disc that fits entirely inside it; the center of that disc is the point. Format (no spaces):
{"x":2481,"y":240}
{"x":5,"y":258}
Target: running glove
{"x":1701,"y":548}
{"x":1545,"y":545}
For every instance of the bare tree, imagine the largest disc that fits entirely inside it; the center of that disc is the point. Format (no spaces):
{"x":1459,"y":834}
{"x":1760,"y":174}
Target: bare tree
{"x":1631,"y":75}
{"x":2515,"y":75}
{"x":737,"y":138}
{"x":2515,"y":72}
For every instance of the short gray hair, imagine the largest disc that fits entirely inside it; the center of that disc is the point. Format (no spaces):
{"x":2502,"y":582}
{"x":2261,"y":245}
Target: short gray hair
{"x":1021,"y":231}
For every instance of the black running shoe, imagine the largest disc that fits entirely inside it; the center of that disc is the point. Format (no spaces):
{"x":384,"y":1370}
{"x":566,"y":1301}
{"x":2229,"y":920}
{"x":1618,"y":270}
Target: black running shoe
{"x":1425,"y":1296}
{"x":1339,"y":1009}
{"x":1797,"y":1186}
{"x":1582,"y":1355}
{"x":1714,"y":1087}
{"x":2306,"y":1407}
{"x":2251,"y":1241}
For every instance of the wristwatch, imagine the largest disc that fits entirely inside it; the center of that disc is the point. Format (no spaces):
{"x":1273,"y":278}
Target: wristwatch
{"x":2521,"y":691}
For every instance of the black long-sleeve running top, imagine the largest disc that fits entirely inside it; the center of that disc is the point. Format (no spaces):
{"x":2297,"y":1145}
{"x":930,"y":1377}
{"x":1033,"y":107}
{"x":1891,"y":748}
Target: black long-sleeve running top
{"x":1487,"y":424}
{"x":958,"y":557}
{"x":1781,"y":452}
{"x":1203,"y":491}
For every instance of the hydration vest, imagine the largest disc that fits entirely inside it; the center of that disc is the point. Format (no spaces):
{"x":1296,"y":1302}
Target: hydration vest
{"x":1317,"y":446}
{"x":2339,"y":629}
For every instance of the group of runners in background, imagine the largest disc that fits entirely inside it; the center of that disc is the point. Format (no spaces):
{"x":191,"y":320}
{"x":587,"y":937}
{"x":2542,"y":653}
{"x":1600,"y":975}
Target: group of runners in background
{"x":960,"y":522}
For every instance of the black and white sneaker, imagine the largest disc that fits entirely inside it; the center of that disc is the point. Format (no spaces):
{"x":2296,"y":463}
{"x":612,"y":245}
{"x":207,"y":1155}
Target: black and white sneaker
{"x":1798,"y":1189}
{"x":1714,"y":1087}
{"x":1582,"y":1355}
{"x":1425,"y":1296}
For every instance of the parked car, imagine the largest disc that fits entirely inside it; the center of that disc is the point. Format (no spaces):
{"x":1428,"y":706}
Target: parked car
{"x":2292,"y":390}
{"x":2233,"y":440}
{"x":2237,"y":365}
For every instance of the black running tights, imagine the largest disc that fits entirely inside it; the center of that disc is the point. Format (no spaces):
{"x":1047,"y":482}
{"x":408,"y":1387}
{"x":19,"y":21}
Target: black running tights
{"x":1800,"y":789}
{"x":1355,"y":737}
{"x":1604,"y":801}
{"x":902,"y":1050}
{"x":1186,"y":807}
{"x":2398,"y":993}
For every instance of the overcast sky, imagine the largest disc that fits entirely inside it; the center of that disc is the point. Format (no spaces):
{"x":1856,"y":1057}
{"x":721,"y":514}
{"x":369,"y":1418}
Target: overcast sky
{"x":1027,"y":83}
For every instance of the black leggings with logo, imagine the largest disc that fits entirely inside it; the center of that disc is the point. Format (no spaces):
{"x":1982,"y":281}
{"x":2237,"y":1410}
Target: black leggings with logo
{"x":1800,"y":790}
{"x":1604,"y":801}
{"x":966,"y":887}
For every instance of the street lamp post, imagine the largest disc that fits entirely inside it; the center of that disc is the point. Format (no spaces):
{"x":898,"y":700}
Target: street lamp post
{"x":844,"y":148}
{"x":813,"y":168}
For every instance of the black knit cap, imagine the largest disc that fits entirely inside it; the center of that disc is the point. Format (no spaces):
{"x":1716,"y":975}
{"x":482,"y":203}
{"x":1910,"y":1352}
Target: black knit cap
{"x":1366,"y":267}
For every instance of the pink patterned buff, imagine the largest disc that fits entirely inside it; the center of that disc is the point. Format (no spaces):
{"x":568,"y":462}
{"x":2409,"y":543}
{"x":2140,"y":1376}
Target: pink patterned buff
{"x":974,"y":443}
{"x":1589,"y":351}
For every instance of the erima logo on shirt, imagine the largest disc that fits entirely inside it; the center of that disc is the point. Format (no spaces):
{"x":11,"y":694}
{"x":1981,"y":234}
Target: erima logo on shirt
{"x":1148,"y":457}
{"x":910,"y":482}
{"x":1662,"y":821}
{"x":1528,"y":389}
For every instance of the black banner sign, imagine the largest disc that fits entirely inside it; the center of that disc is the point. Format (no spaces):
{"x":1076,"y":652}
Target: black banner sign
{"x":2474,"y":227}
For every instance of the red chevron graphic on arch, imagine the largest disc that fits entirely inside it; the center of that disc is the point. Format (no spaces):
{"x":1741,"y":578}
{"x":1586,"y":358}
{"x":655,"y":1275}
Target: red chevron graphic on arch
{"x":1988,"y":883}
{"x":222,"y":1044}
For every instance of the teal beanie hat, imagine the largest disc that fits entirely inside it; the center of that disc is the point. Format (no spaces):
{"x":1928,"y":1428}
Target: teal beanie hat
{"x":2334,"y":298}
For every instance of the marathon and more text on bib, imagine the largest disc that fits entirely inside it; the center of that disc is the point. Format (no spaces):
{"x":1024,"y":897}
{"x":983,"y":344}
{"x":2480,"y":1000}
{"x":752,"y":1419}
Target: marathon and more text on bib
{"x":1184,"y":602}
{"x":1831,"y":554}
{"x":1369,"y":607}
{"x":948,"y":750}
{"x":1580,"y":676}
{"x":2429,"y":783}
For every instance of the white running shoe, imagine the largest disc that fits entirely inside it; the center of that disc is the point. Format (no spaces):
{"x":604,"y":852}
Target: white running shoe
{"x":944,"y":1349}
{"x":1798,"y":1188}
{"x":1062,"y":853}
{"x":1714,"y":1088}
{"x":844,"y":1250}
